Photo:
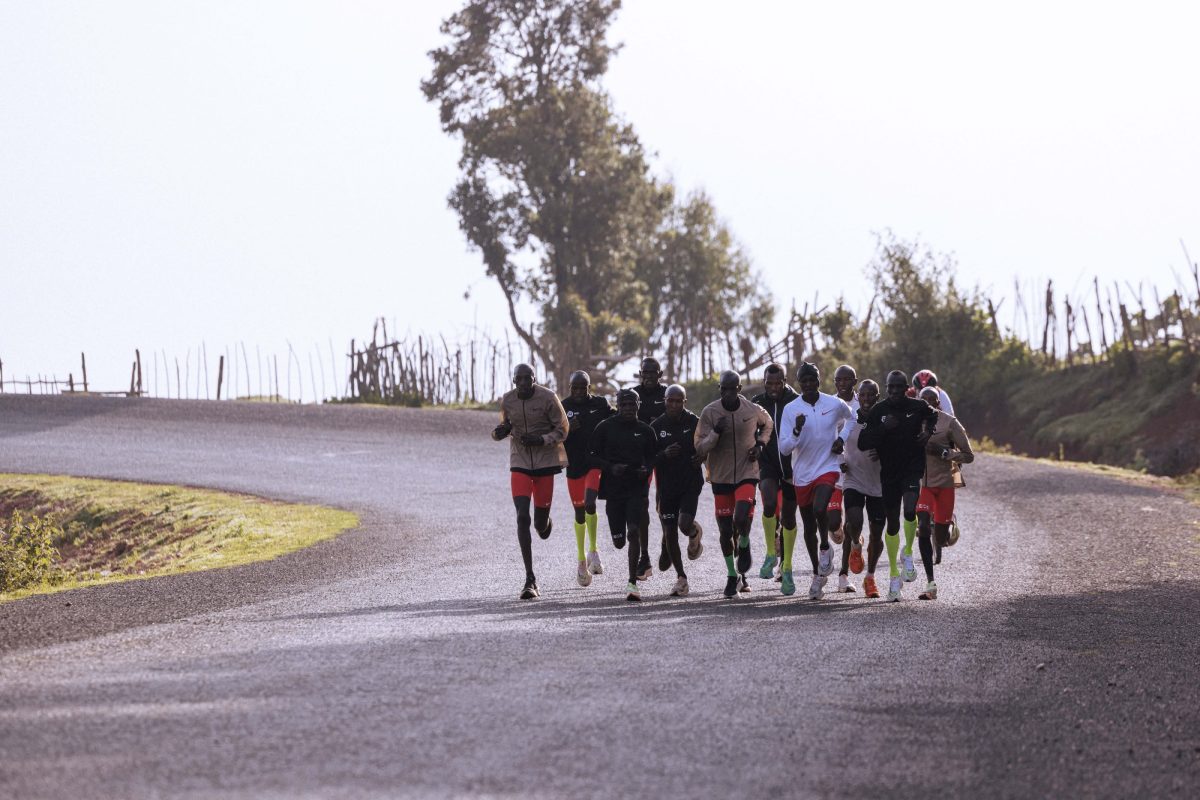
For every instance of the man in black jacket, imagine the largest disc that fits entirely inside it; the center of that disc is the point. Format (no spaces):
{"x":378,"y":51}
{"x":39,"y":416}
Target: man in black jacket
{"x":774,"y":470}
{"x":584,"y":412}
{"x":680,"y":481}
{"x":897,"y":429}
{"x":623,"y":449}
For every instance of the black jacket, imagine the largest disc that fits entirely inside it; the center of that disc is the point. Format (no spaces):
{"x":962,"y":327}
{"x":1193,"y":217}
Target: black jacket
{"x":590,"y":412}
{"x":900,"y":454}
{"x":654,"y":402}
{"x":775,"y":409}
{"x":677,"y":476}
{"x":618,"y":441}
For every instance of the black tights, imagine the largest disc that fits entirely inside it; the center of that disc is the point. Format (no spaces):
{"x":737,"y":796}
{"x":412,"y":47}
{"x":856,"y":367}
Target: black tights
{"x":769,"y":488}
{"x":925,"y":534}
{"x":540,"y":520}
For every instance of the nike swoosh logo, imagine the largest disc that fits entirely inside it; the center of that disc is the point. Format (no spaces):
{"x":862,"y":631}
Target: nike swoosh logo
{"x":823,"y":413}
{"x":909,"y":415}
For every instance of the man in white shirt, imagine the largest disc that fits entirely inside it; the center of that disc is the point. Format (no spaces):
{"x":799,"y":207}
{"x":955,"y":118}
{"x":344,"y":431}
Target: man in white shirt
{"x":809,"y":432}
{"x":926,"y":378}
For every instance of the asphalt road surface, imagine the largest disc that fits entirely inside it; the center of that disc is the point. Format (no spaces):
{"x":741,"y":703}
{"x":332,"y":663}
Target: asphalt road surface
{"x":396,"y":661}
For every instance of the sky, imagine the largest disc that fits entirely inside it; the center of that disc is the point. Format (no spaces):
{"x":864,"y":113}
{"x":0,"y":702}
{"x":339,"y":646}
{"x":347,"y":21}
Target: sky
{"x":187,"y":174}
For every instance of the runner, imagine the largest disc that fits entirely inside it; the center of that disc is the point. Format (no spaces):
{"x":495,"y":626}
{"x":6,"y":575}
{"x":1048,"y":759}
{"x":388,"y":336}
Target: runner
{"x":861,"y":490}
{"x":731,"y":436}
{"x":584,"y":412}
{"x":844,"y":381}
{"x":533,"y":416}
{"x":926,"y":378}
{"x":677,"y":473}
{"x":652,"y":394}
{"x":947,"y":448}
{"x":774,"y":470}
{"x":622,"y":447}
{"x":897,"y":429}
{"x":809,"y":433}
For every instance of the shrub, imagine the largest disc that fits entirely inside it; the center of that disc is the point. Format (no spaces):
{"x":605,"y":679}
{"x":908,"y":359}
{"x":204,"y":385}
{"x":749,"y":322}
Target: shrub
{"x":27,"y":554}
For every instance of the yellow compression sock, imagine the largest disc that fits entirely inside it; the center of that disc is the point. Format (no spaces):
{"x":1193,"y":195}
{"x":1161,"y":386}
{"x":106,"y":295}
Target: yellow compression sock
{"x":769,"y":533}
{"x":592,"y":522}
{"x":789,"y":544}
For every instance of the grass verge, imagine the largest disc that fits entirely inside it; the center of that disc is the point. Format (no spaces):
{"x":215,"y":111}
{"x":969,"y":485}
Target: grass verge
{"x":107,"y":531}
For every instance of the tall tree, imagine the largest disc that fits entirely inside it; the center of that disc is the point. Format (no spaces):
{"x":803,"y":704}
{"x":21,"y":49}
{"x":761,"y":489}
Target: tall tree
{"x":555,"y":190}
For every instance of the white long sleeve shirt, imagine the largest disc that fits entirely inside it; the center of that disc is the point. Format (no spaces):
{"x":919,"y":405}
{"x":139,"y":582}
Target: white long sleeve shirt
{"x":811,"y":451}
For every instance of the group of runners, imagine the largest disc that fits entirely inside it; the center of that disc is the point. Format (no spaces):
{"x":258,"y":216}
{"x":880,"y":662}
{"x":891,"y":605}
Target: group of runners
{"x":824,"y":465}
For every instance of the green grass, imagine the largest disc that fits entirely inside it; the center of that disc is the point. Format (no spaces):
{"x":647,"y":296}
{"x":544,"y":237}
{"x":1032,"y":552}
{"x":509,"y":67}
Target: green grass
{"x":119,"y":530}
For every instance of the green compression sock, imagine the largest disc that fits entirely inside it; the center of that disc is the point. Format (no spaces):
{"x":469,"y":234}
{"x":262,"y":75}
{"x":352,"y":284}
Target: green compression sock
{"x":910,"y":533}
{"x":591,"y":521}
{"x":892,"y":542}
{"x":729,"y":567}
{"x":789,"y":544}
{"x":769,"y":533}
{"x":579,"y":529}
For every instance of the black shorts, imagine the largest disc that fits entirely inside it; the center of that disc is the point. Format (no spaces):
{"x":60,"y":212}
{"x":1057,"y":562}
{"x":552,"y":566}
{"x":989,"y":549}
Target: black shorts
{"x":628,"y":512}
{"x":769,"y":469}
{"x":894,"y":490}
{"x":671,"y":505}
{"x":853,"y":498}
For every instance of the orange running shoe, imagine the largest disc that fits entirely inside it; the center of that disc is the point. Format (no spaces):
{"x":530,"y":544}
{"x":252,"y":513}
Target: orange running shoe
{"x":856,"y":560}
{"x":869,"y":587}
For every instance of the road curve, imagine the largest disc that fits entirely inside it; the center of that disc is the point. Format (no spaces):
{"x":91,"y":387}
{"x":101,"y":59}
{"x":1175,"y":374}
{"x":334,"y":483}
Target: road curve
{"x":395,"y":661}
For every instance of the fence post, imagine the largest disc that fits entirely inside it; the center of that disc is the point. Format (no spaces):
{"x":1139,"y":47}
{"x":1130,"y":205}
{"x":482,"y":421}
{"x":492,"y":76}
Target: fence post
{"x":83,"y":363}
{"x":220,"y":374}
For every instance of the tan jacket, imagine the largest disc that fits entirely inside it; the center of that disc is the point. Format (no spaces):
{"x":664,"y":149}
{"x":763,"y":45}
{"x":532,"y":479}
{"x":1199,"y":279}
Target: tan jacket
{"x":948,"y":434}
{"x":542,"y":414}
{"x":728,"y":453}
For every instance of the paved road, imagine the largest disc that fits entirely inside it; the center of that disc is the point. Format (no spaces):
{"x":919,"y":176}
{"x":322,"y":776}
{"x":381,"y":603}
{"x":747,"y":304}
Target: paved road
{"x":395,"y":661}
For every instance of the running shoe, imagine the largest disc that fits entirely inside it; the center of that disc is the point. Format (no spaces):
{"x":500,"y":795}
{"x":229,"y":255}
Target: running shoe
{"x":695,"y":548}
{"x":594,"y":564}
{"x":768,"y":567}
{"x":826,"y":562}
{"x":731,"y":586}
{"x":908,"y":571}
{"x":869,"y":587}
{"x":644,"y":571}
{"x":583,"y":574}
{"x":894,"y":589}
{"x":856,"y":560}
{"x":680,"y":589}
{"x":744,"y":560}
{"x":633,"y":593}
{"x":844,"y":585}
{"x":549,"y":527}
{"x":618,"y":538}
{"x":954,"y":531}
{"x":530,"y":591}
{"x":930,"y":592}
{"x":837,"y":536}
{"x":787,"y":583}
{"x":743,"y":585}
{"x":817,"y":590}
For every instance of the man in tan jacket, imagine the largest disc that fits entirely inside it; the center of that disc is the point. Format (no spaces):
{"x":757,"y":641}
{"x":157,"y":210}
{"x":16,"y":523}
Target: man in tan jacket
{"x":534,"y":418}
{"x":947,"y":448}
{"x":730,"y":437}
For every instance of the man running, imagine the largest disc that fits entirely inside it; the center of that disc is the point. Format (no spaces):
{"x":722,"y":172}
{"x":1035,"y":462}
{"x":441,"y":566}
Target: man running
{"x":774,"y":470}
{"x":897,"y":429}
{"x":652,"y":395}
{"x":622,"y":447}
{"x":533,"y":416}
{"x":861,"y":490}
{"x":844,"y":381}
{"x":810,"y":434}
{"x":926,"y":378}
{"x":947,"y":448}
{"x":731,"y":436}
{"x":677,"y":472}
{"x":584,"y":412}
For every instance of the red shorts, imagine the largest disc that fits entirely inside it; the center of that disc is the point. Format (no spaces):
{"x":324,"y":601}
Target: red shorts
{"x":539,"y":487}
{"x":577,"y":487}
{"x":804,"y":494}
{"x":937,"y":502}
{"x":835,"y":502}
{"x":745,"y":492}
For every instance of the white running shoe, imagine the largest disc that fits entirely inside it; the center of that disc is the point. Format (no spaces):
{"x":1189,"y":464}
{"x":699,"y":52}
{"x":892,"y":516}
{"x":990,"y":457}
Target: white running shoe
{"x":844,"y":585}
{"x":695,"y":547}
{"x":930,"y":592}
{"x":825,"y":560}
{"x":583,"y":575}
{"x":633,"y":593}
{"x":837,"y":536}
{"x":894,"y":589}
{"x":594,"y":564}
{"x":817,"y":590}
{"x":680,"y":589}
{"x":909,"y":570}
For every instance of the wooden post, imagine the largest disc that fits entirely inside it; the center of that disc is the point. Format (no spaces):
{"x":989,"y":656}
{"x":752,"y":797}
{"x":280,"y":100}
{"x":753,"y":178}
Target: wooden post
{"x":71,"y":381}
{"x":132,"y":377}
{"x":138,"y":356}
{"x":220,"y":374}
{"x":83,"y":363}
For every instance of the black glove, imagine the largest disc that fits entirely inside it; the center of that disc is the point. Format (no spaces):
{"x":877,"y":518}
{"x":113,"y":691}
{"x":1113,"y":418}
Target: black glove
{"x":502,"y":430}
{"x":800,"y":420}
{"x":531,"y":439}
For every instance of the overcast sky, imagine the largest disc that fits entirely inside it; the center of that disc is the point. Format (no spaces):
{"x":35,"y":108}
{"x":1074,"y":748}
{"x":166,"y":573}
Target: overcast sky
{"x":264,"y":172}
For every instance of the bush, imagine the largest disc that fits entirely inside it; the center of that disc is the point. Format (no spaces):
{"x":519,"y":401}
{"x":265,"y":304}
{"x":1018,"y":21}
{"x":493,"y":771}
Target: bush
{"x":27,"y":553}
